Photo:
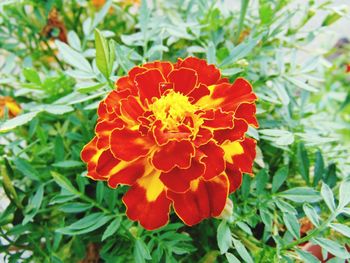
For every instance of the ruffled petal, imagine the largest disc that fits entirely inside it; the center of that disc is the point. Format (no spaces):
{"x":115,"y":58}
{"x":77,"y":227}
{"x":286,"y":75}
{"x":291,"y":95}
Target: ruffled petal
{"x":213,"y":160}
{"x":131,"y":109}
{"x":128,"y":82}
{"x":218,"y":119}
{"x":167,"y":157}
{"x":90,"y":155}
{"x":236,"y":133}
{"x":104,"y":129}
{"x":204,"y":199}
{"x":203,"y":137}
{"x":245,"y":160}
{"x":163,"y":136}
{"x":148,"y":84}
{"x":164,"y":67}
{"x":199,"y":92}
{"x":117,"y":171}
{"x":246,"y":111}
{"x":112,"y":101}
{"x":207,"y":74}
{"x":146,"y":202}
{"x":184,"y":79}
{"x":128,"y":145}
{"x":179,"y":180}
{"x":234,"y":176}
{"x":228,"y":97}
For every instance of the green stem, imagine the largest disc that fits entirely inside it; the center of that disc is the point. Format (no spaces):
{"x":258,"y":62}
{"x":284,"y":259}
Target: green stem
{"x":312,"y":234}
{"x":244,"y":8}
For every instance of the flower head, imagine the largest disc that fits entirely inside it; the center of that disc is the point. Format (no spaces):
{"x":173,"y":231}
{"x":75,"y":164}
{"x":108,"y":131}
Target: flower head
{"x":175,"y":133}
{"x":12,"y":107}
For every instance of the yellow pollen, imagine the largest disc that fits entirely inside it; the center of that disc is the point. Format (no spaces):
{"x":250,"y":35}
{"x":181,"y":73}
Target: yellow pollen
{"x":172,"y":109}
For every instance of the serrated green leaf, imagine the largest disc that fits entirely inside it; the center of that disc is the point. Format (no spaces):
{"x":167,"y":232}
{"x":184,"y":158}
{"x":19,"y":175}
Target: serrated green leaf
{"x":279,"y":178}
{"x":141,"y":251}
{"x":344,"y":194}
{"x":319,"y":168}
{"x":112,"y":228}
{"x":224,"y":238}
{"x":102,"y":54}
{"x":32,"y":75}
{"x":301,"y":195}
{"x":311,"y":213}
{"x":327,"y":196}
{"x":17,"y":121}
{"x":292,"y":224}
{"x":332,"y":247}
{"x":242,"y":251}
{"x":343,"y":229}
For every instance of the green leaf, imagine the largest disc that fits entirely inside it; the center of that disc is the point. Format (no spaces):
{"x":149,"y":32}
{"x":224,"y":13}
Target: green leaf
{"x":64,"y":182}
{"x":331,"y":18}
{"x":102,"y":54}
{"x":224,"y":237}
{"x":26,"y":168}
{"x":304,"y":163}
{"x":74,"y":41}
{"x":58,"y":109}
{"x":301,"y":195}
{"x":279,"y":178}
{"x":301,"y":84}
{"x":68,"y":164}
{"x":242,"y":251}
{"x":261,"y":178}
{"x":312,"y":214}
{"x":17,"y":121}
{"x":75,"y":207}
{"x":231,"y":258}
{"x":266,"y":217}
{"x":73,"y":57}
{"x":343,"y":229}
{"x":32,"y":76}
{"x":307,"y":257}
{"x":332,"y":247}
{"x":89,"y":87}
{"x":112,"y":228}
{"x":327,"y":196}
{"x":292,"y":224}
{"x":85,"y":225}
{"x":34,"y":205}
{"x":59,"y":148}
{"x":100,"y":191}
{"x":319,"y":168}
{"x":285,"y":207}
{"x":344,"y":194}
{"x":141,"y":251}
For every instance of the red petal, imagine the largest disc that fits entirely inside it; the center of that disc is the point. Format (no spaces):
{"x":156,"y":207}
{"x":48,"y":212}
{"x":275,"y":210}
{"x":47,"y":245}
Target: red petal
{"x":236,"y":133}
{"x":228,"y":97}
{"x":184,"y":79}
{"x":90,"y":155}
{"x":218,"y":119}
{"x":147,"y":203}
{"x":199,"y":92}
{"x":128,"y":145}
{"x":179,"y":180}
{"x":164,"y":67}
{"x":234,"y":176}
{"x":148,"y":84}
{"x":204,"y":199}
{"x":207,"y":74}
{"x":163,"y":136}
{"x":202,"y":137}
{"x":127,"y":82}
{"x":131,"y":108}
{"x":245,"y":160}
{"x":104,"y":129}
{"x":214,"y":160}
{"x":247,"y":112}
{"x":173,"y":154}
{"x":112,"y":100}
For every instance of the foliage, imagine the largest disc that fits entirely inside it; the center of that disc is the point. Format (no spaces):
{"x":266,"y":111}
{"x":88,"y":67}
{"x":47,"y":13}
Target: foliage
{"x":303,"y":164}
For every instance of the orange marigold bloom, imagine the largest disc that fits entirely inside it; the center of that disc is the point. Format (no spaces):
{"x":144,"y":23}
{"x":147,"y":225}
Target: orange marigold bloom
{"x":12,"y":106}
{"x":348,"y":68}
{"x":175,"y":133}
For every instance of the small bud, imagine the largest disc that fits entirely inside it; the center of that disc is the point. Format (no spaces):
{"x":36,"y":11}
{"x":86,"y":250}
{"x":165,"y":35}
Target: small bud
{"x":133,"y":230}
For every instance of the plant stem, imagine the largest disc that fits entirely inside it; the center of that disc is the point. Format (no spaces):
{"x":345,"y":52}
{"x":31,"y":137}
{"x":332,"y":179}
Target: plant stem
{"x":244,"y":7}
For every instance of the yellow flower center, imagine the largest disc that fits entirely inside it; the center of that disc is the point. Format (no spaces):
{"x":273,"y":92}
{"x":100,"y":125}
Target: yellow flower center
{"x":172,"y":109}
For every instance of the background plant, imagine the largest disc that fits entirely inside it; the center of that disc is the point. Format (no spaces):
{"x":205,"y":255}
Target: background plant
{"x":302,"y":169}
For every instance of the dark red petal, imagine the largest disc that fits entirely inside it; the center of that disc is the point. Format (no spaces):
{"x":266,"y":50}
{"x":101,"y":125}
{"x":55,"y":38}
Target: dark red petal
{"x":131,"y":108}
{"x":245,"y":160}
{"x":148,"y":84}
{"x":164,"y":67}
{"x":203,"y":137}
{"x":246,"y":111}
{"x":207,"y":74}
{"x":179,"y":180}
{"x":234,"y":176}
{"x":218,"y":119}
{"x":146,"y":202}
{"x":163,"y":136}
{"x":128,"y":145}
{"x":213,"y":160}
{"x":184,"y":79}
{"x":234,"y":134}
{"x":203,"y":200}
{"x":167,"y":157}
{"x":90,"y":155}
{"x":199,"y":92}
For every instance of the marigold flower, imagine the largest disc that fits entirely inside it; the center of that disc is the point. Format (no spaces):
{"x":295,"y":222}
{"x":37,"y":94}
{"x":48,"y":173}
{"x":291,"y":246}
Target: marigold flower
{"x":12,"y":107}
{"x":175,"y":133}
{"x":348,"y":68}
